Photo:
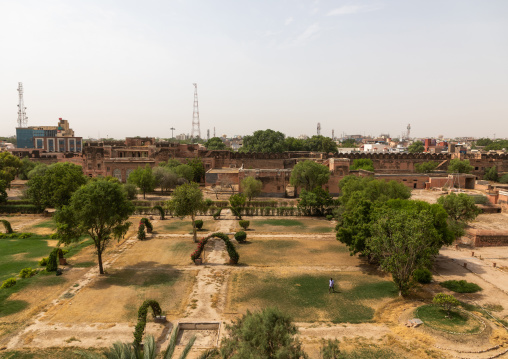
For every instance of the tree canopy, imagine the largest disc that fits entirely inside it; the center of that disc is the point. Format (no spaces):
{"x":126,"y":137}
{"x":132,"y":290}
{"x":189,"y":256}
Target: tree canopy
{"x":491,"y":174}
{"x":459,"y":166}
{"x":372,"y":189}
{"x":348,"y":143}
{"x":460,"y":207}
{"x":315,"y":201}
{"x":9,"y":166}
{"x":187,"y":200}
{"x":143,"y":178}
{"x":54,"y":185}
{"x":426,"y":167}
{"x":198,"y":169}
{"x":165,"y":177}
{"x":362,"y":164}
{"x":251,"y":187}
{"x":416,"y":147}
{"x":215,"y":143}
{"x":266,"y":141}
{"x":99,"y":209}
{"x":309,"y":175}
{"x":267,"y":334}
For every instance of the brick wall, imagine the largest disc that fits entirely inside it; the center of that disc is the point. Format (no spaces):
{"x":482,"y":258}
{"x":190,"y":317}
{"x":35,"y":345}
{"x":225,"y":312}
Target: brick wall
{"x":484,"y":238}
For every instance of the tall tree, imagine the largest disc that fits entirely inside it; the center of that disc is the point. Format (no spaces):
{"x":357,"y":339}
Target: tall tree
{"x":459,"y":166}
{"x":237,"y":201}
{"x":309,"y":175}
{"x":268,"y":334}
{"x":165,"y":177}
{"x":251,"y":187}
{"x":25,"y":168}
{"x":9,"y":166}
{"x":267,"y":141}
{"x":491,"y":174}
{"x":187,"y":200}
{"x":295,"y":144}
{"x":198,"y":169}
{"x":320,"y":144}
{"x":143,"y":178}
{"x":372,"y":189}
{"x":405,"y":238}
{"x":315,"y":201}
{"x":99,"y":209}
{"x":461,"y":209}
{"x":215,"y":143}
{"x":416,"y":147}
{"x":53,"y":186}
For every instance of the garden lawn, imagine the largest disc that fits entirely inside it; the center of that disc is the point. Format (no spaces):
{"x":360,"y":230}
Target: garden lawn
{"x":183,"y":226}
{"x":304,"y":225}
{"x":16,"y":254}
{"x":458,"y":321}
{"x":305,"y":296}
{"x":291,"y":251}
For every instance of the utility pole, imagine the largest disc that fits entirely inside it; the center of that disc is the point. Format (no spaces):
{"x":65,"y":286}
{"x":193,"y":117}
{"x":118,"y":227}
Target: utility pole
{"x":333,"y":134}
{"x":22,"y":117}
{"x":208,"y":134}
{"x":196,"y":131}
{"x":172,"y":129}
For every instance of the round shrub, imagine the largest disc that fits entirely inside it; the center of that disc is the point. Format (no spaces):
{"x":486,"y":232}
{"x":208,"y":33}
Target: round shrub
{"x":244,"y":224}
{"x":8,"y":283}
{"x":329,"y":217}
{"x":461,"y":286}
{"x":241,"y":236}
{"x":198,"y":223}
{"x":52,"y":264}
{"x":422,"y":275}
{"x":27,"y":273}
{"x":141,"y":232}
{"x":43,"y":262}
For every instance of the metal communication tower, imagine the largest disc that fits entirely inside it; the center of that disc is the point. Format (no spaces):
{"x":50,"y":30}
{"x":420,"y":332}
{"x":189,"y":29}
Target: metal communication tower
{"x":196,"y":131}
{"x":333,"y":134}
{"x":207,"y":134}
{"x":22,"y":117}
{"x":318,"y":129}
{"x":408,"y":131}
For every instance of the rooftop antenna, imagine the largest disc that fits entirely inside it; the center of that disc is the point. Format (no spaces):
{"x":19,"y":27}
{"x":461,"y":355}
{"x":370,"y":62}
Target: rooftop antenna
{"x":22,"y":117}
{"x":207,"y":134}
{"x":196,"y":131}
{"x":172,"y":129}
{"x":408,"y":131}
{"x":333,"y":134}
{"x":213,"y":131}
{"x":318,"y":129}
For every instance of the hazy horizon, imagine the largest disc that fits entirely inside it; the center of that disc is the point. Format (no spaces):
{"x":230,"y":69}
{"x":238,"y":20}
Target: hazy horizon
{"x":126,"y":68}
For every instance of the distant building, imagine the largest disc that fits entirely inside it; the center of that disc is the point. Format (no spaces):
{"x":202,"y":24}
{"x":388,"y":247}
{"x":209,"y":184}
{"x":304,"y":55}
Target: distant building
{"x":49,"y":138}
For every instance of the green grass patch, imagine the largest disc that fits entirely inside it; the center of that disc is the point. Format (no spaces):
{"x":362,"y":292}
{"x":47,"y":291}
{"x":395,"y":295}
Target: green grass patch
{"x":457,"y":322}
{"x":322,"y":229}
{"x":76,"y":247}
{"x":84,"y":264}
{"x":278,"y":222}
{"x":46,"y":224}
{"x":178,"y":226}
{"x":307,"y":295}
{"x":461,"y":286}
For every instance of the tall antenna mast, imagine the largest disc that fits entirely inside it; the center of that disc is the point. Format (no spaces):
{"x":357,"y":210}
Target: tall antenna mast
{"x":196,"y":131}
{"x":22,"y":117}
{"x":318,"y":129}
{"x":408,"y":131}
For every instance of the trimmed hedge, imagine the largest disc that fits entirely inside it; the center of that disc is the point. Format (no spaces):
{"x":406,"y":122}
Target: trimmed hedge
{"x":20,"y":208}
{"x":8,"y":283}
{"x":244,"y":224}
{"x":27,"y":272}
{"x":422,"y":275}
{"x":198,"y":223}
{"x":241,"y":236}
{"x":142,"y":313}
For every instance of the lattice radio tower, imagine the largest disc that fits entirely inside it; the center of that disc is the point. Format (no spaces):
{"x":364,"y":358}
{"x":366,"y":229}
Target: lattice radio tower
{"x":318,"y":129}
{"x":196,"y":131}
{"x":22,"y":117}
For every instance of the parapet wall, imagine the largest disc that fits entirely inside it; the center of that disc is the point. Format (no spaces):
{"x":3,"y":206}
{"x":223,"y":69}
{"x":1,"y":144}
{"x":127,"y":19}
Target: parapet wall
{"x":484,"y":238}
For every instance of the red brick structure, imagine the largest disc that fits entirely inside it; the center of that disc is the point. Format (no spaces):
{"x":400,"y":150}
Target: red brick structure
{"x":484,"y":238}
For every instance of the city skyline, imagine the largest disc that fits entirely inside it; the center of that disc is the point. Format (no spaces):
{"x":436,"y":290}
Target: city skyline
{"x":119,"y":69}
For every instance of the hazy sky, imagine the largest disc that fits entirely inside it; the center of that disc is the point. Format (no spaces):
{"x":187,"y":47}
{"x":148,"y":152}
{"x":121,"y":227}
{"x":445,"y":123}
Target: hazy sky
{"x":125,"y":68}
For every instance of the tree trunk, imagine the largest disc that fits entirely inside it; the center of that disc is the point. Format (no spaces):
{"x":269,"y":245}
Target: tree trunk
{"x":99,"y":255}
{"x":144,"y":194}
{"x":194,"y":229}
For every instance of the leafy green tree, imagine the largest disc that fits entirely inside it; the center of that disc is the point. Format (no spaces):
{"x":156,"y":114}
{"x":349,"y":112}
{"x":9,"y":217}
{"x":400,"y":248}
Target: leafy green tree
{"x":483,"y":142}
{"x":372,"y":189}
{"x":447,"y":301}
{"x":267,"y":334}
{"x":426,"y":167}
{"x":39,"y":170}
{"x":362,"y":164}
{"x":237,"y":201}
{"x":171,"y":163}
{"x":251,"y":187}
{"x":315,"y":201}
{"x":267,"y":141}
{"x":354,"y":224}
{"x":416,"y":147}
{"x":295,"y":144}
{"x":3,"y":191}
{"x":404,"y":240}
{"x":185,"y":172}
{"x":143,"y":178}
{"x":309,"y":175}
{"x":459,"y":166}
{"x":320,"y":144}
{"x":25,"y":168}
{"x":215,"y":143}
{"x":491,"y":174}
{"x":55,"y":184}
{"x":497,"y":145}
{"x":460,"y":207}
{"x":165,"y":177}
{"x":9,"y":166}
{"x":187,"y":200}
{"x":131,"y":190}
{"x":504,"y":179}
{"x":99,"y":209}
{"x":198,"y":169}
{"x":348,"y":143}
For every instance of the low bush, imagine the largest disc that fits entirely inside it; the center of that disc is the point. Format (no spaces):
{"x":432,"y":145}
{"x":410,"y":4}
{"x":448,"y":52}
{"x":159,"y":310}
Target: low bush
{"x":141,"y":232}
{"x":244,"y":224}
{"x":8,"y":283}
{"x":461,"y":286}
{"x":241,"y":236}
{"x":329,"y":217}
{"x":43,"y":262}
{"x":198,"y":223}
{"x":422,"y":275}
{"x":217,"y":213}
{"x":20,"y":208}
{"x":52,"y":264}
{"x":148,"y":224}
{"x":27,"y":273}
